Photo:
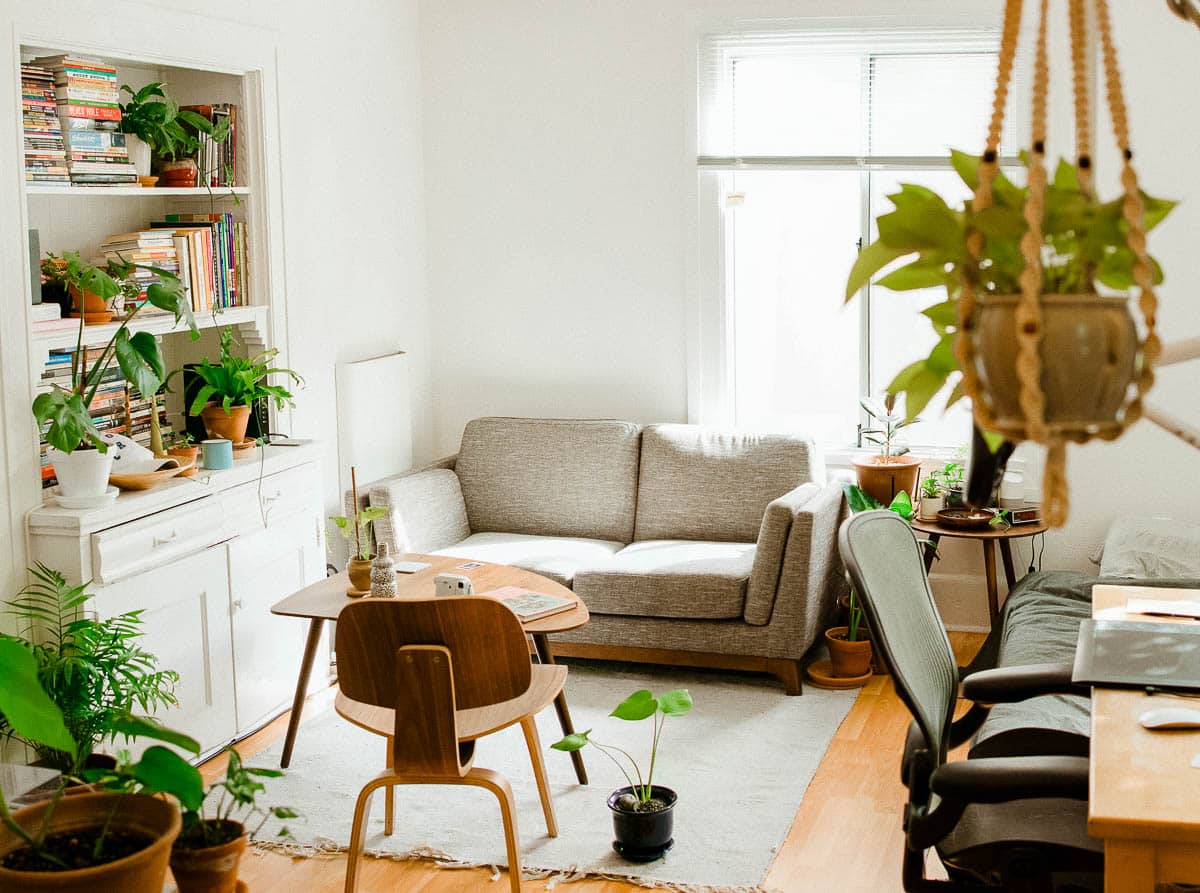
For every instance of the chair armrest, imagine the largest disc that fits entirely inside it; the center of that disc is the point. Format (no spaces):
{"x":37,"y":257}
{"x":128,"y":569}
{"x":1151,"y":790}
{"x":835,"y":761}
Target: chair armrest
{"x":1003,"y":779}
{"x":426,"y":511}
{"x":1006,"y":685}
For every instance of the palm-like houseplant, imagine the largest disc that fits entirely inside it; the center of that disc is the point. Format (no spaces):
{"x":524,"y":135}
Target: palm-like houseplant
{"x":79,"y":453}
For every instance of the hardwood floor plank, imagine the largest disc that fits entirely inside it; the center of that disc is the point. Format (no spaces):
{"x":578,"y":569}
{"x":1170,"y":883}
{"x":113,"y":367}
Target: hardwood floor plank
{"x":846,"y":837}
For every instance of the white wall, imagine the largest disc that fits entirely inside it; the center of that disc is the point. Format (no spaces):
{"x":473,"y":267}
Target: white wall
{"x":562,"y":212}
{"x":350,"y":126}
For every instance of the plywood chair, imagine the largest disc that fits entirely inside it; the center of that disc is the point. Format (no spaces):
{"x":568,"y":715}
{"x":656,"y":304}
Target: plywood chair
{"x":432,"y":676}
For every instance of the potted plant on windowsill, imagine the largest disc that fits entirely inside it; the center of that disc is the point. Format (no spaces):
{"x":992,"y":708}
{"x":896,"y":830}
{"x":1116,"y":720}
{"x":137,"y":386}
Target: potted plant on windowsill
{"x":893,"y":470}
{"x":154,"y":119}
{"x":205,"y":856}
{"x":231,"y":386}
{"x":93,"y":670}
{"x":643,"y":812}
{"x":79,"y":455}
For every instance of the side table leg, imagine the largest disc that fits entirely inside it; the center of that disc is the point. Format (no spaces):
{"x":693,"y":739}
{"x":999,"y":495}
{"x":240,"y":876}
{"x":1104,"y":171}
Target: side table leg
{"x":546,"y":656}
{"x":989,"y":569}
{"x":315,"y":626}
{"x":1010,"y":573}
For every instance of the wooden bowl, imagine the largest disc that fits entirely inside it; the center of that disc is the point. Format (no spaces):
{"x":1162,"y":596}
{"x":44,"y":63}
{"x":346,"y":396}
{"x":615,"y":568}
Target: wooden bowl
{"x":148,"y":479}
{"x":147,"y":182}
{"x":965,"y":519}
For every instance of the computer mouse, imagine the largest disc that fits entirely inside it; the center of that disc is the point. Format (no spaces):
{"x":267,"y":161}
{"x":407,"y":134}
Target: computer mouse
{"x":1170,"y":718}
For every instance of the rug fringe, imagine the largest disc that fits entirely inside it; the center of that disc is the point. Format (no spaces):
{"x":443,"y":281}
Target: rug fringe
{"x":323,"y":847}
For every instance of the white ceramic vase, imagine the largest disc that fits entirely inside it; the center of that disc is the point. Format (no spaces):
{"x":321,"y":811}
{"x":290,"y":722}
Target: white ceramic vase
{"x":83,"y":472}
{"x":139,"y":154}
{"x":929,"y":507}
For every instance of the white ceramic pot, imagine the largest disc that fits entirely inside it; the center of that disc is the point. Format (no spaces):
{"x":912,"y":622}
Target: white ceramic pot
{"x":929,"y":507}
{"x":83,"y":472}
{"x":139,"y":154}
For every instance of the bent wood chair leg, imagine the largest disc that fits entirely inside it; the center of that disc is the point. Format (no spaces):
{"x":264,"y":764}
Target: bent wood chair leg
{"x":534,"y":743}
{"x":389,"y":796}
{"x":498,"y":785}
{"x":358,"y":833}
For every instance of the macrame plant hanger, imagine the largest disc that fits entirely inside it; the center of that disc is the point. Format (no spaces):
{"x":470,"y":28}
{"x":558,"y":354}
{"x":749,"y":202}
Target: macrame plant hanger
{"x":1033,"y":411}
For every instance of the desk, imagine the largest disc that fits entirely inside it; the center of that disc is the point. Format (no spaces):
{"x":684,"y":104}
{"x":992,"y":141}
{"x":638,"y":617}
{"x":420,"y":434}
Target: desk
{"x":1144,"y":796}
{"x":325,"y":600}
{"x":988,"y":536}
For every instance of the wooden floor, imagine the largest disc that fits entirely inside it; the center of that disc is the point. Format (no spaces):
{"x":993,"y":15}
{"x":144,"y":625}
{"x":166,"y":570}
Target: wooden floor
{"x":846,"y":837}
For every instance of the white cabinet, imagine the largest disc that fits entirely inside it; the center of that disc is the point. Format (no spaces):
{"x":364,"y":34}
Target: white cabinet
{"x":185,"y":616}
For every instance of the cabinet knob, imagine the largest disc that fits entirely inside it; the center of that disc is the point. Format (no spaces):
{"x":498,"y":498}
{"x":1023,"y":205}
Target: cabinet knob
{"x":165,"y":540}
{"x":237,"y":604}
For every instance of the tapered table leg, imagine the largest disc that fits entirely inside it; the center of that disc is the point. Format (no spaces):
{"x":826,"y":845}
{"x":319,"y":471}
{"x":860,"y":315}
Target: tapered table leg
{"x":1010,"y":572}
{"x":315,"y":627}
{"x":546,"y":656}
{"x":931,"y":550}
{"x":989,"y":569}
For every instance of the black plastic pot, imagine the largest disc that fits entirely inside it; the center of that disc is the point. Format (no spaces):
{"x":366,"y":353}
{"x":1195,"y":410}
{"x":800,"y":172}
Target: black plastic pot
{"x":986,"y":470}
{"x":643,"y":836}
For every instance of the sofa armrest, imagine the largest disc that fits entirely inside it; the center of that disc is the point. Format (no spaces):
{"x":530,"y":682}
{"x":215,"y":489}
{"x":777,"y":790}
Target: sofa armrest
{"x":809,"y":569}
{"x":426,"y":511}
{"x":768,"y":552}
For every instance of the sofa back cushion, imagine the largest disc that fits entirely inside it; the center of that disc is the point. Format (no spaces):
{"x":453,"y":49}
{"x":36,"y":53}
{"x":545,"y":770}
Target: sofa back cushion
{"x":550,"y":477}
{"x":703,"y":484}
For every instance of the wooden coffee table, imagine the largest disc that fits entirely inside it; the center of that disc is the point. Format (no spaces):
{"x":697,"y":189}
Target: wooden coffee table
{"x":325,"y":600}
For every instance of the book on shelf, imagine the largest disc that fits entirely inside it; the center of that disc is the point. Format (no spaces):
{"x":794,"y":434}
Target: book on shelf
{"x":223,"y":249}
{"x":45,"y":312}
{"x":529,"y":605}
{"x":45,"y":154}
{"x":217,"y":161}
{"x":86,"y":102}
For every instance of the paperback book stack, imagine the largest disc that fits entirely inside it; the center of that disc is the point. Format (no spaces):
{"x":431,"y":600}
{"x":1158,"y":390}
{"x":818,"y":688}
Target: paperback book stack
{"x":45,"y":157}
{"x":214,"y":268}
{"x":89,"y":114}
{"x":151,"y":247}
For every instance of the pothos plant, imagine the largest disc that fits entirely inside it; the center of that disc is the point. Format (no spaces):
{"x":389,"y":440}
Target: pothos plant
{"x":639,"y":706}
{"x":65,"y":410}
{"x":156,"y":119}
{"x":359,"y":529}
{"x":1083,"y":249}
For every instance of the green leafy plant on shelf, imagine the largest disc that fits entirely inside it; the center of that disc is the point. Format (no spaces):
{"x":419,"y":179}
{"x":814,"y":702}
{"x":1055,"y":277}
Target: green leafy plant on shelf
{"x":239,"y":381}
{"x":359,"y":529}
{"x":1083,"y":249}
{"x":639,"y":706}
{"x":65,"y":410}
{"x":156,"y":119}
{"x":94,"y":670}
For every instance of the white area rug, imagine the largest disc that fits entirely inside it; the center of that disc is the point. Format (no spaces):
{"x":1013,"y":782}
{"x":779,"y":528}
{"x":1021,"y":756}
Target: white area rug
{"x":740,"y":762}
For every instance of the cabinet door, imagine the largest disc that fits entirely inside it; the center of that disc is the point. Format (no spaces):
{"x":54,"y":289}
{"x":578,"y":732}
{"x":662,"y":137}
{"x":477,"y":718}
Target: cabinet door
{"x":185,"y":607}
{"x":265,"y":567}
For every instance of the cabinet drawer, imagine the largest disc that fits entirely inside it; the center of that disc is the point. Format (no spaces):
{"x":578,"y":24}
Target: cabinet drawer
{"x":250,"y":507}
{"x":151,"y":542}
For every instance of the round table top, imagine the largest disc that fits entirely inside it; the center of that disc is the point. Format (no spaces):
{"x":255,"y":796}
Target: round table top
{"x":326,"y":598}
{"x":1016,"y":531}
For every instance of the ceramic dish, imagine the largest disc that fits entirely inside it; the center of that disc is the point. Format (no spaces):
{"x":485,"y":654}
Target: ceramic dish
{"x":148,"y":479}
{"x":86,"y":502}
{"x":965,"y":519}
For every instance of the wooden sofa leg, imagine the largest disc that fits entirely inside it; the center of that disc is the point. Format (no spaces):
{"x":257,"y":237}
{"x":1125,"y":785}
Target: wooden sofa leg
{"x":787,"y":671}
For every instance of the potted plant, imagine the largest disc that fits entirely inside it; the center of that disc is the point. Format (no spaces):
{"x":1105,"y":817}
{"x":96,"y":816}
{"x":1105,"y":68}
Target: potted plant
{"x":155,"y":120}
{"x":359,"y":530}
{"x":232,"y":385}
{"x":118,"y":839}
{"x":952,"y":475}
{"x":79,"y":455}
{"x":185,"y":449}
{"x":643,"y":812}
{"x":93,"y":670}
{"x":932,"y":497}
{"x":205,"y":856}
{"x":892,"y":470}
{"x":849,"y":650}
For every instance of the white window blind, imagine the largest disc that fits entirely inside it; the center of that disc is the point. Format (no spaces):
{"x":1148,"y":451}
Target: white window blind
{"x":846,"y":91}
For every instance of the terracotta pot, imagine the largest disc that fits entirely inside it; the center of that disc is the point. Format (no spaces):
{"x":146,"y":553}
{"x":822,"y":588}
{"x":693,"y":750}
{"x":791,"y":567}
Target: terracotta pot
{"x":94,"y":309}
{"x":359,"y":570}
{"x":848,"y":658}
{"x":884,"y":480}
{"x":186,"y":454}
{"x":141,"y":872}
{"x":210,"y":870}
{"x":226,"y":426}
{"x":179,"y":173}
{"x":1088,"y":350}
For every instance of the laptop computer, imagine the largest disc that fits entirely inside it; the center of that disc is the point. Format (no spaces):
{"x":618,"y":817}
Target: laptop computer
{"x":1131,"y":654}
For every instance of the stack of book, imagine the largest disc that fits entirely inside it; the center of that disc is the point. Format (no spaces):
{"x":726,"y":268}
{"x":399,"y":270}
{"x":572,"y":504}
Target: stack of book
{"x":217,"y":161}
{"x":48,"y":317}
{"x":86,"y":90}
{"x":151,"y":247}
{"x":212,"y":255}
{"x":45,"y":157}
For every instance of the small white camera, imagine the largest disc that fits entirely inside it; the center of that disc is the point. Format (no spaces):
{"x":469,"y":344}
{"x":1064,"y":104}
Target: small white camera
{"x":453,"y":584}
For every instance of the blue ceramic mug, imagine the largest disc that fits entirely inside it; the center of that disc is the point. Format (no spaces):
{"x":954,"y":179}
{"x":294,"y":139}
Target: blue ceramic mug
{"x":216,"y":455}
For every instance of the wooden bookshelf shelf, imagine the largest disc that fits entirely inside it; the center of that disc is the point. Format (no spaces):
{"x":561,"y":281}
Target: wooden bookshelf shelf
{"x":218,"y":192}
{"x":156,"y":325}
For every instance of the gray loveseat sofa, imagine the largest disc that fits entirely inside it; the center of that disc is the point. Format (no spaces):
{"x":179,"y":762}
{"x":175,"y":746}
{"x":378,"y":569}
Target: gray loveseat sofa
{"x":689,"y":546}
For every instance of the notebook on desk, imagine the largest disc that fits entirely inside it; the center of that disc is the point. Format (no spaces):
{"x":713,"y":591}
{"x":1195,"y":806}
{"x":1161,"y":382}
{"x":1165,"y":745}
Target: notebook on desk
{"x":1132,"y":654}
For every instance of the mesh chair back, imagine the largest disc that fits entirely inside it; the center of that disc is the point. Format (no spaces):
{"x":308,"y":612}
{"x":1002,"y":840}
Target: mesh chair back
{"x":488,"y":652}
{"x":886,"y":566}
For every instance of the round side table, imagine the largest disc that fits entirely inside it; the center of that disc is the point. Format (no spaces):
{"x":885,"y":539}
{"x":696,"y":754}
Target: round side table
{"x":989,"y":537}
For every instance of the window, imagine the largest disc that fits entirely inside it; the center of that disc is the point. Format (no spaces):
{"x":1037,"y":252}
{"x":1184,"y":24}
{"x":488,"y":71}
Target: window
{"x":802,"y":135}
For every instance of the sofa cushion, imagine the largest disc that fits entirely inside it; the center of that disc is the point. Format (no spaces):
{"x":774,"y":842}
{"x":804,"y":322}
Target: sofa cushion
{"x":426,"y":511}
{"x":556,"y":557}
{"x":702,"y":484}
{"x":550,"y":477}
{"x":670,"y":578}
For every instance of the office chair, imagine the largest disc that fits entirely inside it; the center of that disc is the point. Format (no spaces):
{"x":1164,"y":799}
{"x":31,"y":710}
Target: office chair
{"x":1014,"y":823}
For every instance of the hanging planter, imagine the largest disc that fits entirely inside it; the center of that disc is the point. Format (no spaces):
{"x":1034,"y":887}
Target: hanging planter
{"x":1036,"y":329}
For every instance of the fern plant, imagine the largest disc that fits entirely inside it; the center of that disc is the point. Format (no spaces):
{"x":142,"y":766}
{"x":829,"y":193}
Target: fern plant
{"x":239,"y":381}
{"x":94,"y":670}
